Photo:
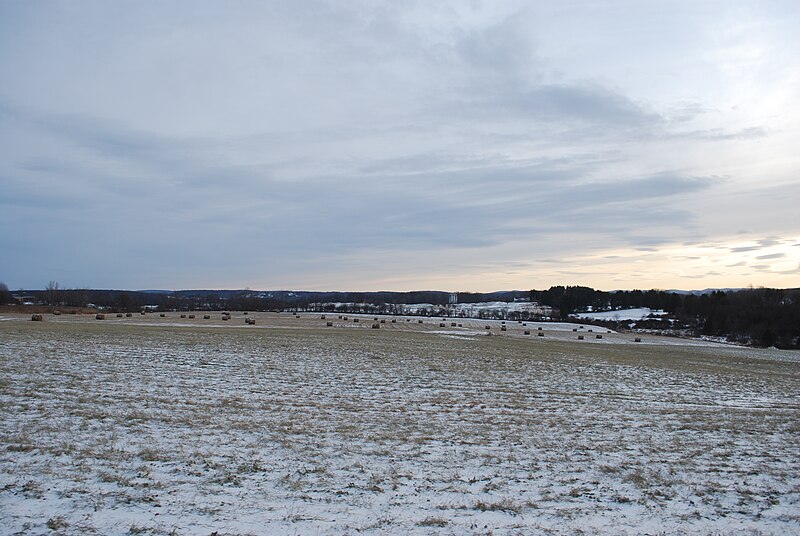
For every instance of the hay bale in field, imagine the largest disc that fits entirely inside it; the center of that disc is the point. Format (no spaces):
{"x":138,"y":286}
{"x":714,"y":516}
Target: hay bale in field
{"x":329,"y":324}
{"x":297,"y":316}
{"x":206,"y":317}
{"x":142,"y":313}
{"x":580,"y":337}
{"x":502,"y":328}
{"x":394,"y":321}
{"x":376,"y":325}
{"x":460,"y":325}
{"x":503,"y":322}
{"x":343,"y":317}
{"x":441,"y":324}
{"x":452,"y":324}
{"x":119,"y":315}
{"x":250,"y":321}
{"x":637,"y":339}
{"x":540,"y":333}
{"x":191,"y":316}
{"x":323,"y":317}
{"x":128,"y":315}
{"x":419,"y":321}
{"x":383,"y":321}
{"x":590,"y":331}
{"x":540,"y":328}
{"x":524,"y":324}
{"x":57,"y":313}
{"x":245,"y":313}
{"x":527,"y":332}
{"x":162,"y":315}
{"x":183,"y":316}
{"x":355,"y":320}
{"x":99,"y":316}
{"x":574,"y":329}
{"x":598,"y":336}
{"x":340,"y":317}
{"x":37,"y":318}
{"x":488,"y":327}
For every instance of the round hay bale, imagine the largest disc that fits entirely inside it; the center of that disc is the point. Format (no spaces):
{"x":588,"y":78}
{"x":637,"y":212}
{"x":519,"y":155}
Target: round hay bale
{"x":540,"y":328}
{"x":383,"y":321}
{"x":183,"y":316}
{"x":574,"y":329}
{"x":323,"y":317}
{"x":502,"y":328}
{"x":128,"y":315}
{"x":590,"y":331}
{"x":637,"y":339}
{"x":162,"y":315}
{"x":598,"y":336}
{"x":376,"y":325}
{"x":527,"y":332}
{"x":37,"y":318}
{"x":441,"y":324}
{"x":460,"y":326}
{"x":99,"y":316}
{"x":191,"y":316}
{"x":580,"y":337}
{"x":540,"y":333}
{"x":355,"y":320}
{"x":245,"y":313}
{"x":57,"y":313}
{"x":119,"y":315}
{"x":206,"y":317}
{"x":488,"y":327}
{"x":329,"y":324}
{"x":394,"y":321}
{"x":142,"y":313}
{"x":419,"y":321}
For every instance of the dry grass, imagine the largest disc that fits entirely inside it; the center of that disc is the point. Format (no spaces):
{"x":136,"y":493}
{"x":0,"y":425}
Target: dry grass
{"x":296,"y":426}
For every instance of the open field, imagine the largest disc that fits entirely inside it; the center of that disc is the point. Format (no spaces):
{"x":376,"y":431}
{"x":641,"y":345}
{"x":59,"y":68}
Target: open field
{"x":149,"y":425}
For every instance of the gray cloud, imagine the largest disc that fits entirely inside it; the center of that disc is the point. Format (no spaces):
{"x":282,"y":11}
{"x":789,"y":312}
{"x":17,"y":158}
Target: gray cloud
{"x":771,"y":256}
{"x":247,"y":143}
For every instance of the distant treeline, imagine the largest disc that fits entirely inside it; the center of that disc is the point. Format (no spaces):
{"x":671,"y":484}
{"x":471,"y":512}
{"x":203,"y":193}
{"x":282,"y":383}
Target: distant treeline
{"x":758,"y":316}
{"x":244,"y":300}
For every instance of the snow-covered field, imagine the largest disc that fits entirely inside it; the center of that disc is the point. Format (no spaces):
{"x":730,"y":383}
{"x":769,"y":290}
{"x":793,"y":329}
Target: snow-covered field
{"x":164,"y":426}
{"x":638,"y":313}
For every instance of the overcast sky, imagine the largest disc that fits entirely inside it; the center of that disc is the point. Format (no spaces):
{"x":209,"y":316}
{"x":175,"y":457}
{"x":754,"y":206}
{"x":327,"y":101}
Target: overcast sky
{"x":400,"y":145}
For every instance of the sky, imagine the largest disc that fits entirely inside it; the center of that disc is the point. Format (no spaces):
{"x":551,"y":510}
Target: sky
{"x":368,"y":145}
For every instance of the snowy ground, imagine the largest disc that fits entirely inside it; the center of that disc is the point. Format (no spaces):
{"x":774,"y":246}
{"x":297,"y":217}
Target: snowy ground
{"x":158,"y":426}
{"x":638,"y":313}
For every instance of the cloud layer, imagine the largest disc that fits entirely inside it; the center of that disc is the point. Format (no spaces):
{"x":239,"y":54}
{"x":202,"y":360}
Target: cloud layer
{"x":398,"y":146}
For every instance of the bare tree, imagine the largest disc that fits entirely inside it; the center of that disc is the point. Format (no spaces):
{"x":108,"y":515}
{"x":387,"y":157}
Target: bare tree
{"x":52,"y":294}
{"x":5,"y":294}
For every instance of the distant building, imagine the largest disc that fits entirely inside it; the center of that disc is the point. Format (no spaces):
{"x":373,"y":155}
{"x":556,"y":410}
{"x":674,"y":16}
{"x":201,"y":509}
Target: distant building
{"x":453,"y":298}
